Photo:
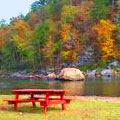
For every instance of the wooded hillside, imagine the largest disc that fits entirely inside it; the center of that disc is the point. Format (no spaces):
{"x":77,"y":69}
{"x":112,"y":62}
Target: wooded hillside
{"x":86,"y":32}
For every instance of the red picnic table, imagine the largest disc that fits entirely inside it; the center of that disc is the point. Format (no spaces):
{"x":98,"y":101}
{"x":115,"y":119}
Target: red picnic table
{"x":46,"y":97}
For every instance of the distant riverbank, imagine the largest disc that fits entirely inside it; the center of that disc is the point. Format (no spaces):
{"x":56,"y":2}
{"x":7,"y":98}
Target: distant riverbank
{"x":111,"y":70}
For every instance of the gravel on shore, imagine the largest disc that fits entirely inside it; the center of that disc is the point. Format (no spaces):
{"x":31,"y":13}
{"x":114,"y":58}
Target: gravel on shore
{"x":95,"y":98}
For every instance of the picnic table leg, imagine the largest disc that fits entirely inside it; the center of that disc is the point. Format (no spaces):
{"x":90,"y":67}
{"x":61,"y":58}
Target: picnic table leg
{"x":63,"y":105}
{"x":45,"y":108}
{"x":16,"y":102}
{"x":16,"y":106}
{"x":46,"y":103}
{"x":33,"y":103}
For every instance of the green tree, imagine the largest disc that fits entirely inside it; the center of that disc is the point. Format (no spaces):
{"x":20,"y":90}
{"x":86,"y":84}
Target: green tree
{"x":22,"y":37}
{"x":40,"y":35}
{"x":100,"y":9}
{"x":38,"y":4}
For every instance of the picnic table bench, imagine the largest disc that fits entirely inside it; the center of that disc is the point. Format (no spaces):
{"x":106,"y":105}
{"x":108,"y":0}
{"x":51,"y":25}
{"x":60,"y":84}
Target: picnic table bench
{"x":45,"y":97}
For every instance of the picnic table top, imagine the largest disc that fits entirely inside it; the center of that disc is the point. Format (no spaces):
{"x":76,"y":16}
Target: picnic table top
{"x":37,"y":90}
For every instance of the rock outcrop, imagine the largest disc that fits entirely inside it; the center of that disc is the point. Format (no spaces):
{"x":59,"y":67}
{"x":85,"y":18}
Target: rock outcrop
{"x":51,"y":76}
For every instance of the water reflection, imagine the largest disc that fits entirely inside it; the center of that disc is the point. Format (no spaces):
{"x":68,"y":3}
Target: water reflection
{"x":102,"y":87}
{"x":72,"y":87}
{"x":98,"y":87}
{"x":75,"y":87}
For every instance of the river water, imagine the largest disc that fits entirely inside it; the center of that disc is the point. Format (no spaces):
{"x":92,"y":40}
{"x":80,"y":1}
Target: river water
{"x":89,"y":87}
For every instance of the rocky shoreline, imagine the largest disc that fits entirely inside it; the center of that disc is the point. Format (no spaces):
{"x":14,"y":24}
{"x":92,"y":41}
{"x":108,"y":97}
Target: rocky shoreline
{"x":51,"y":76}
{"x":78,"y":75}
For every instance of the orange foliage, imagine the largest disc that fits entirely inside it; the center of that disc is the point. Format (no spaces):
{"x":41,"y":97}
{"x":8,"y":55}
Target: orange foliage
{"x":65,"y":32}
{"x":24,"y":33}
{"x":3,"y":33}
{"x":21,"y":26}
{"x":33,"y":20}
{"x":79,"y":19}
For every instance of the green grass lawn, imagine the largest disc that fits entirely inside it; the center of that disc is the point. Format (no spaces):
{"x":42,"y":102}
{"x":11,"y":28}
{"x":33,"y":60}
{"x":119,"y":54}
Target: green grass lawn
{"x":76,"y":110}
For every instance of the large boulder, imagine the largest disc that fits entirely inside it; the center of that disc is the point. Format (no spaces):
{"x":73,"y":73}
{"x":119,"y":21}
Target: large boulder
{"x":71,"y":74}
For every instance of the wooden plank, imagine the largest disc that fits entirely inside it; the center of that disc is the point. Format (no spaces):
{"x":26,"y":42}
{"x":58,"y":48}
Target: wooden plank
{"x":13,"y":101}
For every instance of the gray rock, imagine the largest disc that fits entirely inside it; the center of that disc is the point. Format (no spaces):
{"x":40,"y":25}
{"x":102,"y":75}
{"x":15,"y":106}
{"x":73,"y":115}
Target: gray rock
{"x":91,"y":73}
{"x":107,"y":72}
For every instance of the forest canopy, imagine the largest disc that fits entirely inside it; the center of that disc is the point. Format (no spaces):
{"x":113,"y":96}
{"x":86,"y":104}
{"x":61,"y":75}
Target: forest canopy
{"x":55,"y":32}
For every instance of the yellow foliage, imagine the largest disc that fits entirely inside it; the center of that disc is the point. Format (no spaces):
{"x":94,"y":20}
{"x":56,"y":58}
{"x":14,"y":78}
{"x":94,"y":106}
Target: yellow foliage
{"x":21,"y":25}
{"x":48,"y":50}
{"x":105,"y":29}
{"x":118,"y":3}
{"x":65,"y":54}
{"x":49,"y":44}
{"x":23,"y":35}
{"x":71,"y":41}
{"x":74,"y":56}
{"x":65,"y":32}
{"x":68,"y":47}
{"x":52,"y":25}
{"x":68,"y":10}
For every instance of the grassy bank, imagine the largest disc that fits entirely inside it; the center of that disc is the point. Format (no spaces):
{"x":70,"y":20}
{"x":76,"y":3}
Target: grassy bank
{"x":77,"y":110}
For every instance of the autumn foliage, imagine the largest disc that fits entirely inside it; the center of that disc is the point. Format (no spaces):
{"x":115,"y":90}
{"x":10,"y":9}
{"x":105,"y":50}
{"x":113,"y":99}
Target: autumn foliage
{"x":61,"y":31}
{"x":105,"y":30}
